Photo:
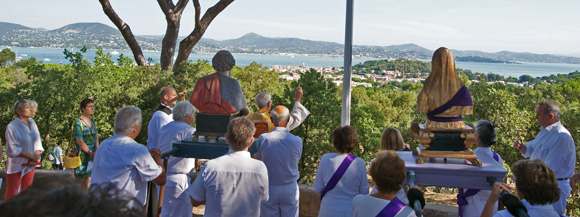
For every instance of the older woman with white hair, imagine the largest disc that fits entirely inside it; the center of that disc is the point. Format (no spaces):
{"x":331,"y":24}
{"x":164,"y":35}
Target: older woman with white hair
{"x":23,"y":149}
{"x":175,"y":199}
{"x":125,"y":163}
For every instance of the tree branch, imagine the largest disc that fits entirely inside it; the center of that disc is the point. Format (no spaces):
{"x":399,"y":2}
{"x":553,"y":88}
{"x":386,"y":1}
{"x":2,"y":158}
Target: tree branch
{"x":181,"y":6}
{"x":125,"y":31}
{"x":197,"y":13}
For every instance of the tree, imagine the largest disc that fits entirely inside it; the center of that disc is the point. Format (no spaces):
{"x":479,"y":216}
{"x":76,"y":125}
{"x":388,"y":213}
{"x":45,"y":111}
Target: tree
{"x":173,"y":14}
{"x":6,"y":56}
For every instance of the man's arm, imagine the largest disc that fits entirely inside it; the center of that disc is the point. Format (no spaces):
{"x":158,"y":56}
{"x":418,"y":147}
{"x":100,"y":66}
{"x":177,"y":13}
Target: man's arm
{"x":299,"y":112}
{"x":195,"y":202}
{"x":161,"y":179}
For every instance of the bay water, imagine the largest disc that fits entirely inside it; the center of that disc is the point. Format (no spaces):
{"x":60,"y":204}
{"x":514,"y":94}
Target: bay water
{"x":55,"y":55}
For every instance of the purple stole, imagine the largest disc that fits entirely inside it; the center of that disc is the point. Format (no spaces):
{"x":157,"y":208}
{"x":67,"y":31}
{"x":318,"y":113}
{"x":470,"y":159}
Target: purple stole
{"x":338,"y":174}
{"x":391,"y":209}
{"x":461,"y":197}
{"x":461,"y":98}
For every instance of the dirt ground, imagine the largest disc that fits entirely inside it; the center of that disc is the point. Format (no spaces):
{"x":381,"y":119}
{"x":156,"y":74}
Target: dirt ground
{"x":446,"y":196}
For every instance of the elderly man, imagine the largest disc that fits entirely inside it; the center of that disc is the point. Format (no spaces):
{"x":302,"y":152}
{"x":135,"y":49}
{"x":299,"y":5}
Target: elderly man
{"x":175,"y":201}
{"x":218,"y":93}
{"x":162,"y":116}
{"x":262,"y":119}
{"x":125,"y":163}
{"x":281,"y":151}
{"x":233,"y":184}
{"x":553,"y":145}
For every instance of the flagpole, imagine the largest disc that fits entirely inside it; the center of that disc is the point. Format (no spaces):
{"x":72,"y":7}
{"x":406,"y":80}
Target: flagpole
{"x":345,"y":115}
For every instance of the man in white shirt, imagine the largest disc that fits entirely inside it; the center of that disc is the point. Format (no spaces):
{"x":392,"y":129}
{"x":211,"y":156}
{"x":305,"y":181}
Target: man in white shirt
{"x":553,"y":145}
{"x":281,"y":151}
{"x":233,"y":184}
{"x":125,"y":163}
{"x":175,"y":199}
{"x":162,"y":116}
{"x":262,"y":119}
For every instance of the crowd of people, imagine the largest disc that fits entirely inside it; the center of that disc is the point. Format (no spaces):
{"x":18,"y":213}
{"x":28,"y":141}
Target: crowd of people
{"x":116,"y":171}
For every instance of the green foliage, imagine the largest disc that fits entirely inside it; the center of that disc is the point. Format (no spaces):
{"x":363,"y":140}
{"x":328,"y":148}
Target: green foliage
{"x":6,"y":56}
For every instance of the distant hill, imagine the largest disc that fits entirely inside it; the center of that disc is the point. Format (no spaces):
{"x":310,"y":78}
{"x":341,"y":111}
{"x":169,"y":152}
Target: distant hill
{"x":87,"y":29}
{"x":100,"y":35}
{"x":7,"y":27}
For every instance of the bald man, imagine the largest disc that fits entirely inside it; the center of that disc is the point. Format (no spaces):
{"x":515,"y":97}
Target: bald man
{"x":262,"y":119}
{"x":280,"y":151}
{"x":163,"y":115}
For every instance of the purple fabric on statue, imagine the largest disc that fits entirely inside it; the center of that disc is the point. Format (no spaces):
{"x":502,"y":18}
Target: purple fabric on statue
{"x":461,"y":196}
{"x":391,"y":209}
{"x":337,"y":174}
{"x":443,"y":119}
{"x":461,"y":98}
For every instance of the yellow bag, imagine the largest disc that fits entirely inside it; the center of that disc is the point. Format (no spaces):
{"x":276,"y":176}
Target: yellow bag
{"x":73,"y":161}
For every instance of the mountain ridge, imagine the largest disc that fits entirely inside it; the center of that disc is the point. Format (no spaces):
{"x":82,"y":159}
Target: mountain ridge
{"x":101,"y":35}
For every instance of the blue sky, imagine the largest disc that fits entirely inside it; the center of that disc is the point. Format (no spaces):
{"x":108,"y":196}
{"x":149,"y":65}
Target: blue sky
{"x":536,"y":26}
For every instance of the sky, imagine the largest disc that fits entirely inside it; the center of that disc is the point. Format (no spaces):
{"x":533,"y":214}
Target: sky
{"x":535,"y":26}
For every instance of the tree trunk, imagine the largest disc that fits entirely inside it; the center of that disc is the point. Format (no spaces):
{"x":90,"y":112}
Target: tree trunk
{"x":173,"y":16}
{"x":168,"y":45}
{"x":187,"y":44}
{"x":125,"y":31}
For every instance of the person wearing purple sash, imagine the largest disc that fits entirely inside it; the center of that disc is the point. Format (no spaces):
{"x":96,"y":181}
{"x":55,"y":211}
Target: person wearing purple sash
{"x":341,"y":176}
{"x":472,"y":201}
{"x":388,"y":172}
{"x":444,"y":98}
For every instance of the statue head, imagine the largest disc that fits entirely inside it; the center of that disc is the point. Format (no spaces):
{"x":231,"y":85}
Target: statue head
{"x":443,"y":62}
{"x":223,"y":61}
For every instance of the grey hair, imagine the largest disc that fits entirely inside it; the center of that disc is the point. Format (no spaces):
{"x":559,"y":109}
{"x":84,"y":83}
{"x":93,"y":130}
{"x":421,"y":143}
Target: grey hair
{"x":262,"y":99}
{"x":486,"y":133}
{"x":32,"y":103}
{"x":280,"y":115}
{"x":181,"y":110}
{"x":223,"y":61}
{"x":20,"y":104}
{"x":127,"y":118}
{"x":550,"y":106}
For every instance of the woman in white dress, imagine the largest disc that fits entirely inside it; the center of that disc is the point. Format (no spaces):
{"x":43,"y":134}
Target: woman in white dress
{"x":338,"y":200}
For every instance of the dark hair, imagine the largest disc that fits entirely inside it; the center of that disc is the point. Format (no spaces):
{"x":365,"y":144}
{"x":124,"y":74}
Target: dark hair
{"x":536,"y":182}
{"x":388,"y":171}
{"x":85,"y":102}
{"x":52,"y":196}
{"x":344,"y":138}
{"x":485,"y":132}
{"x":240,"y":133}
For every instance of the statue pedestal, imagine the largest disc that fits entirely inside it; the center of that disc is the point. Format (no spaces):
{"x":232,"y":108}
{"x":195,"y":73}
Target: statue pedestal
{"x":445,"y":143}
{"x":454,"y":173}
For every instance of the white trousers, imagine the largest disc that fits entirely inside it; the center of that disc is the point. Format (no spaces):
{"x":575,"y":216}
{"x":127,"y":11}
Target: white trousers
{"x":283,"y":201}
{"x":565,"y":189}
{"x":176,"y":201}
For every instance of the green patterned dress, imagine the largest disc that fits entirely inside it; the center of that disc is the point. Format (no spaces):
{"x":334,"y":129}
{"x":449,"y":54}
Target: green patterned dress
{"x":89,"y":136}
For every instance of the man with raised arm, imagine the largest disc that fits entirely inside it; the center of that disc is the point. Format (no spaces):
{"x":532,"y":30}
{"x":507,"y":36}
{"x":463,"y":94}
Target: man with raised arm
{"x":553,"y":145}
{"x":125,"y":163}
{"x":233,"y":184}
{"x":162,"y":116}
{"x":281,"y":151}
{"x":262,"y":119}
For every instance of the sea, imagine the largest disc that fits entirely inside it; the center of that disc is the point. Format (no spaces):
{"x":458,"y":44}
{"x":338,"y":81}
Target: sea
{"x":55,"y":55}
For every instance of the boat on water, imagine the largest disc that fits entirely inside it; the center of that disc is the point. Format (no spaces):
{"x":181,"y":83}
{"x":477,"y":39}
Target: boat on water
{"x":23,"y":55}
{"x":46,"y":60}
{"x":115,"y":52}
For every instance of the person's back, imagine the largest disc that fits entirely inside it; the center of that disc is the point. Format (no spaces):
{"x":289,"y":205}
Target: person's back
{"x":280,"y":151}
{"x":533,"y":211}
{"x":172,"y":132}
{"x":234,"y":185}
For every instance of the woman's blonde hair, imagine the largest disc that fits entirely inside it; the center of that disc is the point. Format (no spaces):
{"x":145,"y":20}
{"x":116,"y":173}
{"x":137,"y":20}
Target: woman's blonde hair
{"x":392,"y":140}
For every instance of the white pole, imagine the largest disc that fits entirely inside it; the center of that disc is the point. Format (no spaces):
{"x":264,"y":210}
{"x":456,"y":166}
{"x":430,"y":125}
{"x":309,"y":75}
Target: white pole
{"x":345,"y":117}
